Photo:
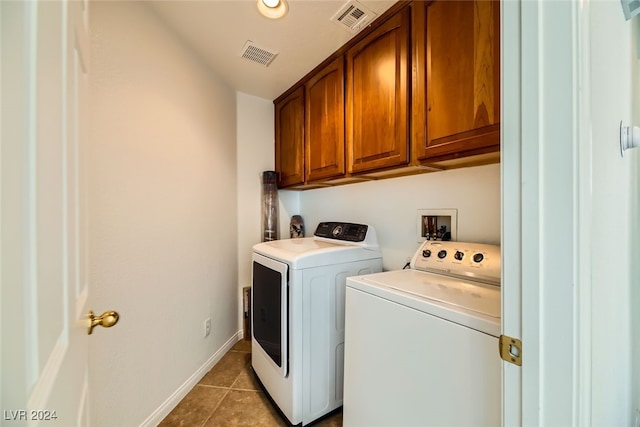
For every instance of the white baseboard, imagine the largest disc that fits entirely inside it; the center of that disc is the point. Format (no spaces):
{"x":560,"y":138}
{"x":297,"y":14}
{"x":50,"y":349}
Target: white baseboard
{"x":172,"y":401}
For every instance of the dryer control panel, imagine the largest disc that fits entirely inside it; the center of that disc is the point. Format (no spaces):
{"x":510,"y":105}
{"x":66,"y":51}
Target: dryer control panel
{"x":341,"y":231}
{"x":475,"y":261}
{"x":347,"y":232}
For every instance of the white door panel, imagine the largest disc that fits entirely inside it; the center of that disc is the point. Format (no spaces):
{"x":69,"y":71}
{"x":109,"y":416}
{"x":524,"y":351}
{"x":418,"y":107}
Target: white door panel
{"x":44,"y":280}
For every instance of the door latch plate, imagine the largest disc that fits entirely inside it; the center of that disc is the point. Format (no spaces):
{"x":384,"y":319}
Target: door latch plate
{"x":510,"y":349}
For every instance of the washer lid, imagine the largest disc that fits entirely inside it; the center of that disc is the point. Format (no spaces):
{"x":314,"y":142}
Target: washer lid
{"x":468,"y":303}
{"x":473,"y":296}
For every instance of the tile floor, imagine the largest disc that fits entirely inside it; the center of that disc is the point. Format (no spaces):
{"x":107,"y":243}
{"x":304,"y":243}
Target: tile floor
{"x":230,"y":395}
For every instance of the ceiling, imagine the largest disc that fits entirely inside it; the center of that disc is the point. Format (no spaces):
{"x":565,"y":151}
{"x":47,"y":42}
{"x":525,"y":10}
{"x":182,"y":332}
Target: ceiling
{"x":217,"y":31}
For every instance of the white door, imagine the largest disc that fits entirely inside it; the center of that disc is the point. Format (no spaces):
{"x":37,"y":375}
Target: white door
{"x":543,"y":182}
{"x":44,"y":366}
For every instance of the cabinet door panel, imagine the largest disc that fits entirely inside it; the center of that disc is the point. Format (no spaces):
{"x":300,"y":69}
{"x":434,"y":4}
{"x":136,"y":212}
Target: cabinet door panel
{"x":377,"y":99}
{"x":456,"y":93}
{"x":289,"y":129}
{"x":324,"y":120}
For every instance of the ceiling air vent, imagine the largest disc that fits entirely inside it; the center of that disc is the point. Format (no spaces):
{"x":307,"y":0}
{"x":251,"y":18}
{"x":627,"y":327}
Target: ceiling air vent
{"x":258,"y":54}
{"x":353,"y":17}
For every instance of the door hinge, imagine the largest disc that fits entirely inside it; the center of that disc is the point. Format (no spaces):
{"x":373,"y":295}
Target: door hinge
{"x":510,"y":349}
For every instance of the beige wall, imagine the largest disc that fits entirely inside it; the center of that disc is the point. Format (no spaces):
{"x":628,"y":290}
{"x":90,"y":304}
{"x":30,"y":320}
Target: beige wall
{"x":163,"y":212}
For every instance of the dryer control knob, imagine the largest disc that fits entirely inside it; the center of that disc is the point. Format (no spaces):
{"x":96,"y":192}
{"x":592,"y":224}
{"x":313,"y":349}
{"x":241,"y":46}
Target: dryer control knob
{"x":442,"y":254}
{"x":459,"y":255}
{"x":426,"y":253}
{"x":478,"y":257}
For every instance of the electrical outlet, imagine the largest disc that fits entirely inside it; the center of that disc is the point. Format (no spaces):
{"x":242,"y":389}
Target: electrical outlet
{"x":207,"y":327}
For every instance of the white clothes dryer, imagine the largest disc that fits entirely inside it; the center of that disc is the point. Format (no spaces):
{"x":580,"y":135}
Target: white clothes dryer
{"x":297,"y":314}
{"x":421,"y":344}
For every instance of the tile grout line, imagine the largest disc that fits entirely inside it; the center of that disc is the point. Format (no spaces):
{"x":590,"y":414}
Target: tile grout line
{"x":216,"y":408}
{"x":228,"y":388}
{"x":238,"y":378}
{"x":212,"y":386}
{"x":220,"y":402}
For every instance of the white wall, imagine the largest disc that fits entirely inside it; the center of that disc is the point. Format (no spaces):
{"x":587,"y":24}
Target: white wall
{"x":634,"y":301}
{"x":611,"y":198}
{"x":391,"y":206}
{"x":255,"y":129}
{"x":163,"y":212}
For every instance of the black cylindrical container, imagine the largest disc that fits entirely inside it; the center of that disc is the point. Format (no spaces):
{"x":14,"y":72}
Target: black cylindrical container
{"x":269,"y":206}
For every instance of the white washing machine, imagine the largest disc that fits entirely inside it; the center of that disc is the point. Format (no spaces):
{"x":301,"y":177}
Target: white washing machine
{"x":421,"y":344}
{"x":297,"y":314}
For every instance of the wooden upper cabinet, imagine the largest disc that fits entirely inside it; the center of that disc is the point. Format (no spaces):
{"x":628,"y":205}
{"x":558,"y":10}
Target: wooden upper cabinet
{"x":456,"y":91}
{"x":289,"y":128}
{"x":324,"y":123}
{"x":377,"y":113}
{"x":418,"y":91}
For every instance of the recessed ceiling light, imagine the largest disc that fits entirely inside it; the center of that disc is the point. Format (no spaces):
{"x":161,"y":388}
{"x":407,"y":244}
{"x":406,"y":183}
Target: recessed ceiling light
{"x":273,"y":9}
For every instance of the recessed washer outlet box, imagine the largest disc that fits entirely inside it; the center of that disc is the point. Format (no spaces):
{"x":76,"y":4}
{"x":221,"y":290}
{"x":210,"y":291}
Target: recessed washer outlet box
{"x":430,"y":221}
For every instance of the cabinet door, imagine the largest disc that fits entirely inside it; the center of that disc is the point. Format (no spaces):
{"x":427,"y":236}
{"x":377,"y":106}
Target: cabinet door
{"x":289,"y":129}
{"x":377,"y":99}
{"x":456,"y":92}
{"x":324,"y":123}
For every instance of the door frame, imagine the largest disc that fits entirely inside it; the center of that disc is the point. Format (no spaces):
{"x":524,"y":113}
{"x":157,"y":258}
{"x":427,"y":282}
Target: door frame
{"x":546,"y":215}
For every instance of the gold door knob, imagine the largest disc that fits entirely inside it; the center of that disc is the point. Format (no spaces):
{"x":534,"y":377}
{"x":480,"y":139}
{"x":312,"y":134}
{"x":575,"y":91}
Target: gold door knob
{"x":106,"y":320}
